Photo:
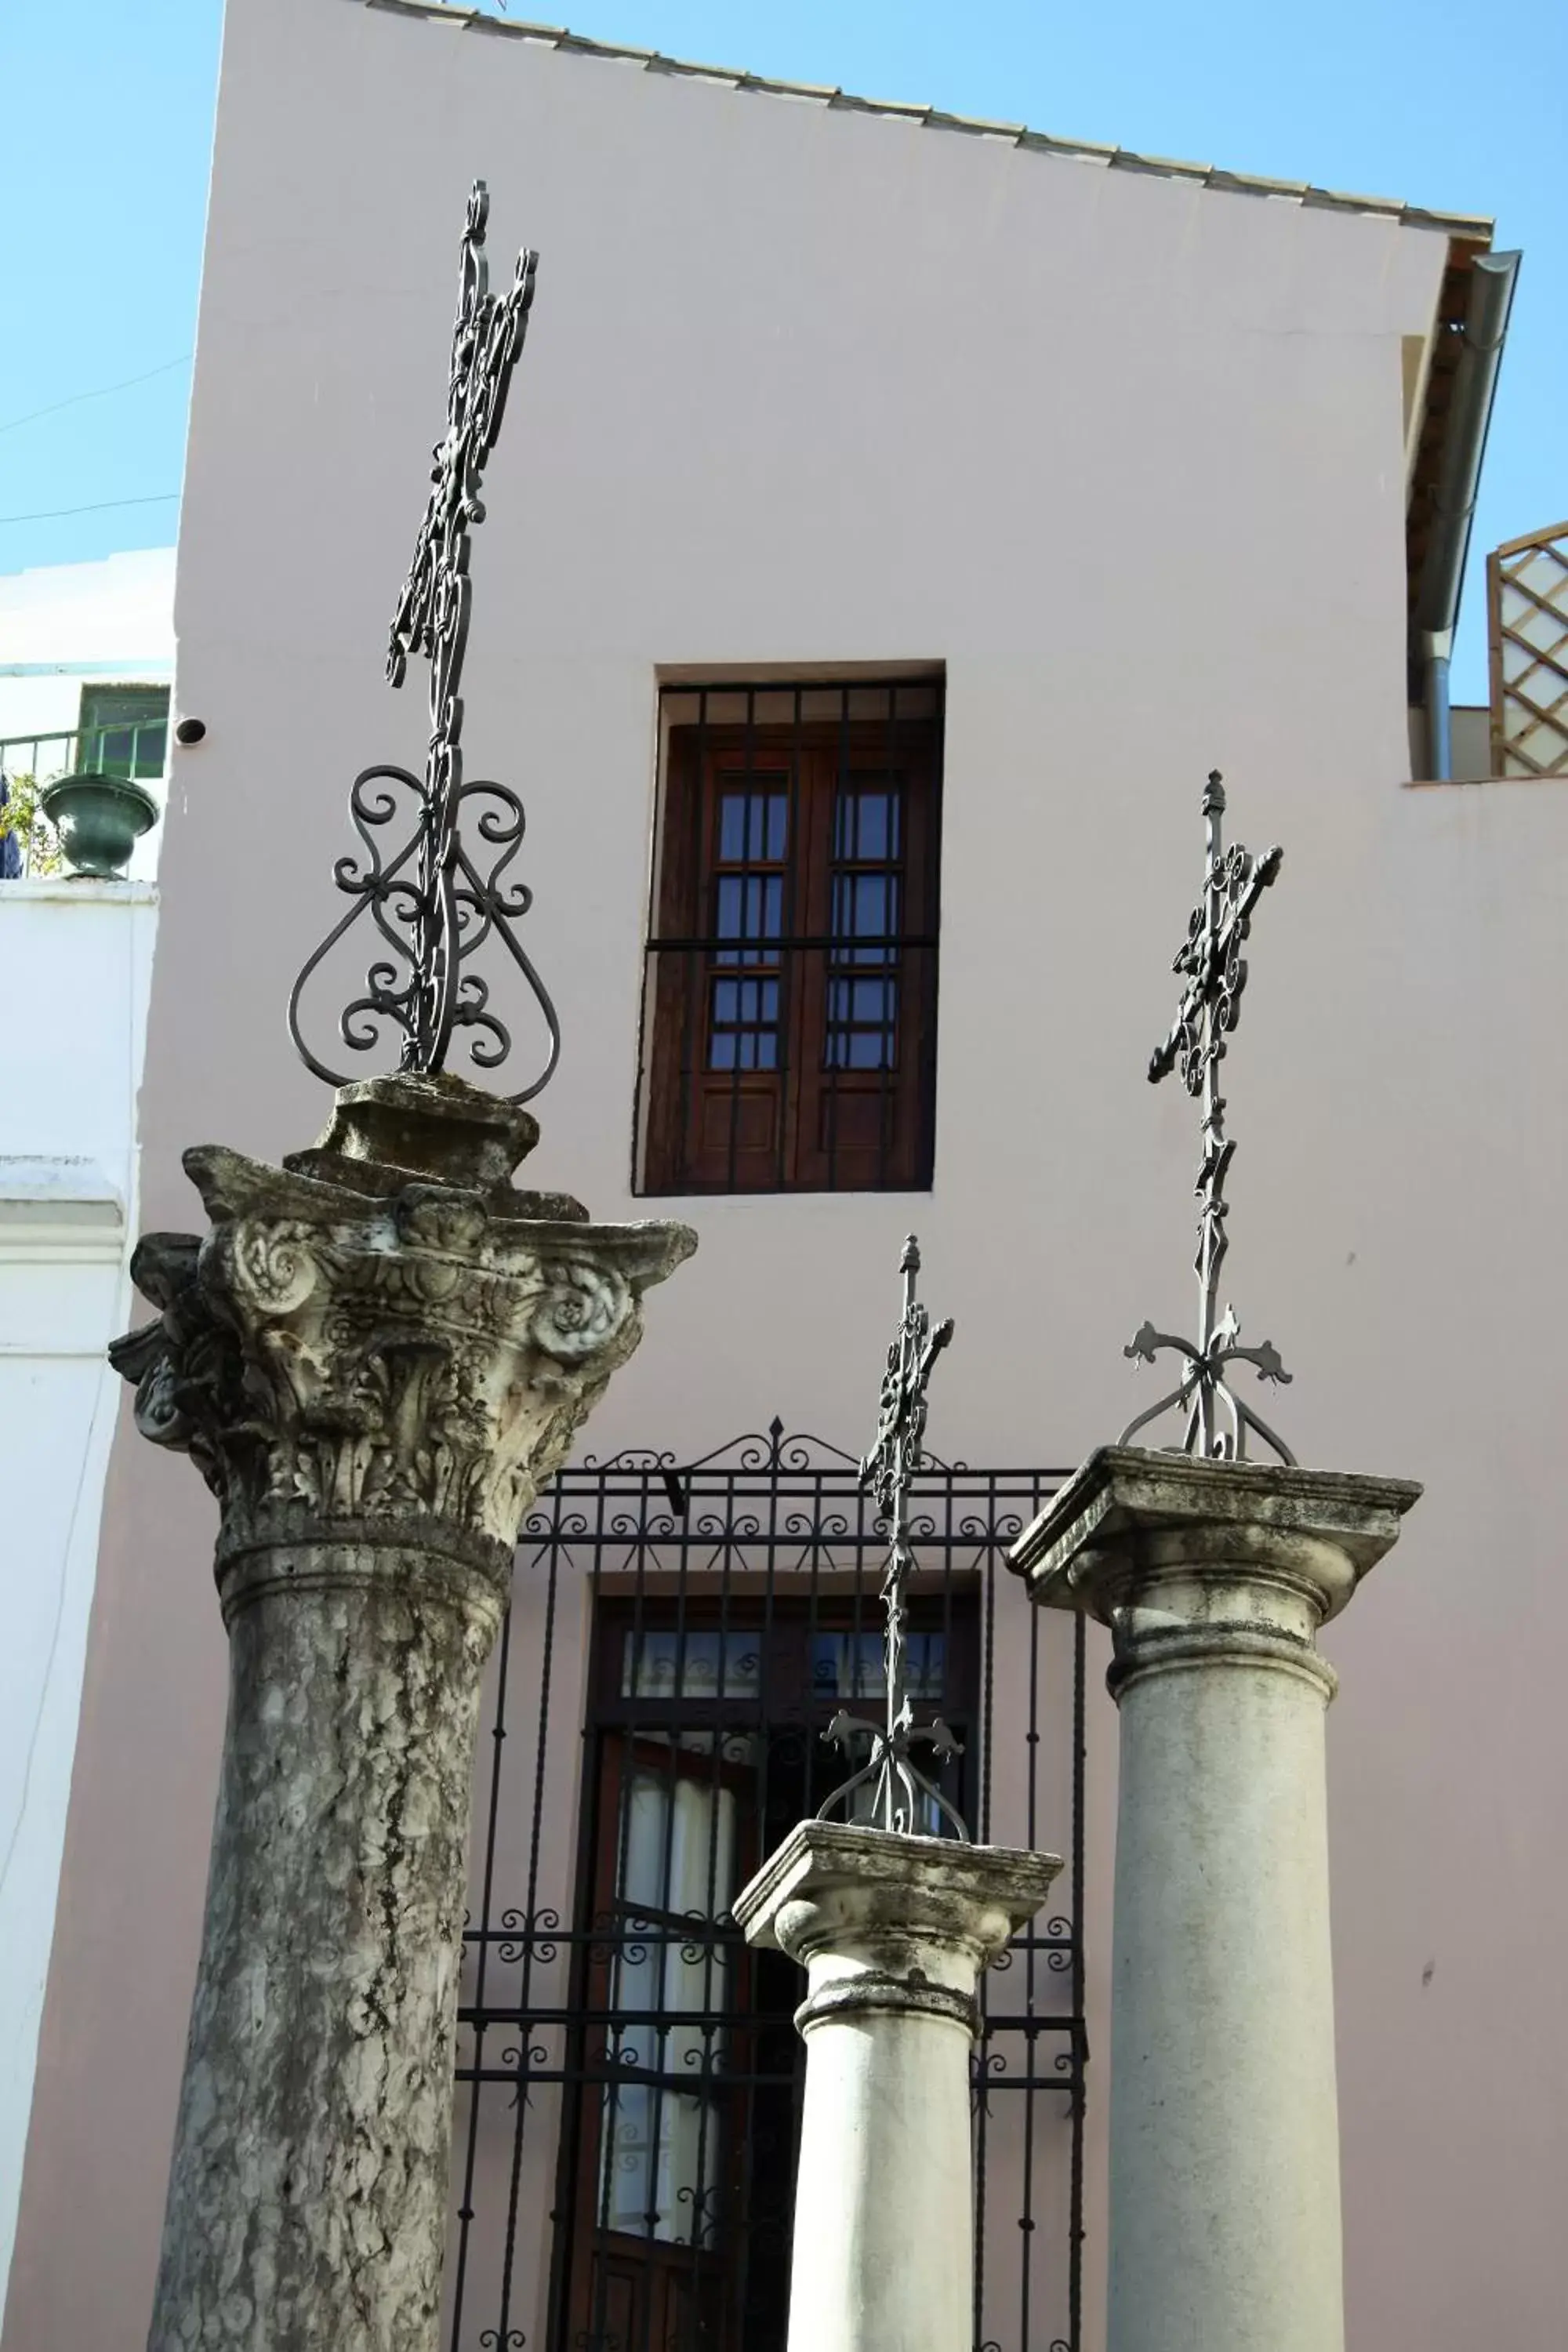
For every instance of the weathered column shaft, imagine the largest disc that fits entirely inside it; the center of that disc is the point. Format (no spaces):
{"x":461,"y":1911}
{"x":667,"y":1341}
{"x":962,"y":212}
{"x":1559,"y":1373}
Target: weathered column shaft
{"x":375,"y":1357}
{"x":894,"y":1934}
{"x":1225,"y":2177}
{"x":310,"y":2152}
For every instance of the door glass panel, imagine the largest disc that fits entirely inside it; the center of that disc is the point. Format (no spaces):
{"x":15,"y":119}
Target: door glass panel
{"x":742,"y":1014}
{"x":753,"y":826}
{"x":658,"y":1663}
{"x":850,"y":1666}
{"x":866,"y":913}
{"x":662,"y":2149}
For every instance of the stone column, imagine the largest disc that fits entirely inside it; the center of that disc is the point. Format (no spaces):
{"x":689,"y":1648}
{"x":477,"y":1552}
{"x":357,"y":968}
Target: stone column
{"x":894,"y":1933}
{"x":1214,"y":1577}
{"x":375,"y":1358}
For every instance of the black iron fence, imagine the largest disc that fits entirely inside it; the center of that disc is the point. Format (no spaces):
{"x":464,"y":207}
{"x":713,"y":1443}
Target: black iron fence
{"x":628,"y":2075}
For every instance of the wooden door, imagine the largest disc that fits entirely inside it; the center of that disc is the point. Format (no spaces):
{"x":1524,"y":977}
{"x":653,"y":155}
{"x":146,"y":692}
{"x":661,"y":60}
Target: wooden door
{"x":661,"y":2153}
{"x":793,"y":987}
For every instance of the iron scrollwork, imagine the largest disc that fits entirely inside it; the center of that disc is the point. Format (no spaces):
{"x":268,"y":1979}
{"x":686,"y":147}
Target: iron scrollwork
{"x":445,"y":894}
{"x":1210,"y":957}
{"x":898,"y":1790}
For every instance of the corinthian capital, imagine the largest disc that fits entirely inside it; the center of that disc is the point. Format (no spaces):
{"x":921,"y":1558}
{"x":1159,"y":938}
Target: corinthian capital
{"x":359,"y":1348}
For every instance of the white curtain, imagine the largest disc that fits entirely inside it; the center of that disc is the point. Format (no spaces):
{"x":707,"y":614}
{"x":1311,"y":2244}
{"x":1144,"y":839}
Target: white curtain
{"x":661,"y":2143}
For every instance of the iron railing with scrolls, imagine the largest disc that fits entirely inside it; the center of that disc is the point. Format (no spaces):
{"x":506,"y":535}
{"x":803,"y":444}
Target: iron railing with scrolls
{"x":628,"y":2077}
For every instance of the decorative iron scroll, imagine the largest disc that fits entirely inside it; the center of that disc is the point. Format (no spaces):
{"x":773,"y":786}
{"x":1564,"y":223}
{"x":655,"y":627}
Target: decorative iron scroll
{"x":559,"y":1987}
{"x":898,"y":1788}
{"x":1215,"y":973}
{"x":444,"y":896}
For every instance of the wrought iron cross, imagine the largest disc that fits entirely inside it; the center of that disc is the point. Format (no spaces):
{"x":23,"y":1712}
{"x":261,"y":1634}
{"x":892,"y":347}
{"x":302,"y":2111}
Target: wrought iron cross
{"x":898,"y":1788}
{"x":439,"y":899}
{"x":1215,"y":968}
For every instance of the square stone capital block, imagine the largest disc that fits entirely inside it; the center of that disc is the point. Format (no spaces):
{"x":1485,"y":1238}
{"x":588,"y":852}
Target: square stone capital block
{"x":897,"y":1923}
{"x":1131,"y":1519}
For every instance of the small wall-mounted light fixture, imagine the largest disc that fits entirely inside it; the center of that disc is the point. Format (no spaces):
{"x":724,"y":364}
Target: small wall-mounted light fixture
{"x":190,"y":731}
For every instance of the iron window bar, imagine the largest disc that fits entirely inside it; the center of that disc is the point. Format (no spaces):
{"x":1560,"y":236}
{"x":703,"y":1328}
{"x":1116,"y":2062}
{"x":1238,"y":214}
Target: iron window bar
{"x":774,"y":1528}
{"x":787,"y":1039}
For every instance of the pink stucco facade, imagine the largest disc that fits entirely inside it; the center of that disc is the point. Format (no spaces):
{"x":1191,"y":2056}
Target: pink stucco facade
{"x":808,"y":388}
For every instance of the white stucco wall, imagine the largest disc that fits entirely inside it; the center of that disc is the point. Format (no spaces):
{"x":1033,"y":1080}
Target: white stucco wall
{"x":807,"y":387}
{"x":74,"y":961}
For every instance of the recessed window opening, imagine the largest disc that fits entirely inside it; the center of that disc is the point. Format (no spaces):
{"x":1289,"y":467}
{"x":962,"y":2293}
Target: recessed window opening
{"x":789,"y":1007}
{"x":704,"y":1746}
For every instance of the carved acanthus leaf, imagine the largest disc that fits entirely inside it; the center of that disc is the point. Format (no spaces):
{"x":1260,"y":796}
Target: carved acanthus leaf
{"x":326,"y":1355}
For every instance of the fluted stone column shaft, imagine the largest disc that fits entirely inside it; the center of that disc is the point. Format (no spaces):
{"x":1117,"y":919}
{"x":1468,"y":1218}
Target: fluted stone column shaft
{"x":894,"y":1934}
{"x":376,"y":1356}
{"x":1225,"y":2178}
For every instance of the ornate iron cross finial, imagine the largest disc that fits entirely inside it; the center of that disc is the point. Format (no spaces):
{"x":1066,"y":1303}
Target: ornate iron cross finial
{"x":1215,"y":973}
{"x":897,"y":1788}
{"x":441,"y":899}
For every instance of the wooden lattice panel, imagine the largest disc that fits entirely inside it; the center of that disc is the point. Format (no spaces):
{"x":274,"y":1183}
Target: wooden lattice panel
{"x":1527,"y":604}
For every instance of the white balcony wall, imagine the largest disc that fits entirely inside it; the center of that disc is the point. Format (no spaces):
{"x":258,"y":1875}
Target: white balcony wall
{"x":74,"y":959}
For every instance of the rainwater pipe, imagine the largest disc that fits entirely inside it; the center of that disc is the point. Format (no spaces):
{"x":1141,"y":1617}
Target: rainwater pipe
{"x":1492,"y":281}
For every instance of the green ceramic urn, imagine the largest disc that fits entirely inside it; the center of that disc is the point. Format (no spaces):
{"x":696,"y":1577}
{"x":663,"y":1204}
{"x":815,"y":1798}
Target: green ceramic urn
{"x":100,"y":819}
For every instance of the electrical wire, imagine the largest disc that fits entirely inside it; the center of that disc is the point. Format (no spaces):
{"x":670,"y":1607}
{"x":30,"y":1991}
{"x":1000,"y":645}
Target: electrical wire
{"x":100,"y":391}
{"x":52,"y":514}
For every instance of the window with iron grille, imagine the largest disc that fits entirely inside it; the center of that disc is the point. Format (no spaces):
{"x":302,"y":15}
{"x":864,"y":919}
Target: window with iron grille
{"x":708,"y":1713}
{"x":629,"y":2073}
{"x":789,"y":1009}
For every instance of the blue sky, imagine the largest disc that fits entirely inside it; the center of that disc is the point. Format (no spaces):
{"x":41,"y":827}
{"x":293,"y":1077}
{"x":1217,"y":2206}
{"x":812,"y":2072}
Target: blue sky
{"x":109,"y":131}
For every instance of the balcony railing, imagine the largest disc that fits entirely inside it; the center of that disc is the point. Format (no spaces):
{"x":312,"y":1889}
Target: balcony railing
{"x":137,"y":749}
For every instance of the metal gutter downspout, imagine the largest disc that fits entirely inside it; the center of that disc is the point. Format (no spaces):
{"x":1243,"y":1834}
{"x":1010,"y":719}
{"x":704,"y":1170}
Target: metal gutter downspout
{"x":1492,"y":279}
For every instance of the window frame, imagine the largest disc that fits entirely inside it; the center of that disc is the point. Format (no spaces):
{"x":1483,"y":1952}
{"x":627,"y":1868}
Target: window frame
{"x":804,"y":1121}
{"x":785,"y":1700}
{"x":146,"y":710}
